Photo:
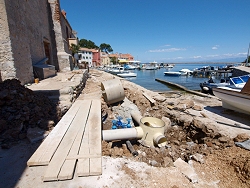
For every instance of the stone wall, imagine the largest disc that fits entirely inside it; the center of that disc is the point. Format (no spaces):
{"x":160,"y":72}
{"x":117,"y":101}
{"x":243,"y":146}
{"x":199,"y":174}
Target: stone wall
{"x":59,"y":26}
{"x":24,"y":27}
{"x":28,"y":23}
{"x":7,"y":68}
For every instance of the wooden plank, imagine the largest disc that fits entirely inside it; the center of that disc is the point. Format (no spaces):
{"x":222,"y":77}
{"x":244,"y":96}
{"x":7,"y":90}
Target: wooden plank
{"x":83,"y":167}
{"x":83,"y":164}
{"x":95,"y":166}
{"x":95,"y":141}
{"x":63,"y":149}
{"x":91,"y":143}
{"x":45,"y":151}
{"x":70,"y":157}
{"x":151,"y":100}
{"x":67,"y":170}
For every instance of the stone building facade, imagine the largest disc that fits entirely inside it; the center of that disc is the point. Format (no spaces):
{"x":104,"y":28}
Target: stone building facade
{"x":32,"y":32}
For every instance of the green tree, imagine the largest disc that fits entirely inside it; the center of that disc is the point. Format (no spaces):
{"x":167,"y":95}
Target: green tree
{"x":88,"y":44}
{"x":113,"y":60}
{"x":74,"y":48}
{"x":106,"y":48}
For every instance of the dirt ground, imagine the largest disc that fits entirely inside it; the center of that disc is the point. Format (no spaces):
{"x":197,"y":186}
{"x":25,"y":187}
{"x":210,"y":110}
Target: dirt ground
{"x":200,"y":132}
{"x":222,"y":164}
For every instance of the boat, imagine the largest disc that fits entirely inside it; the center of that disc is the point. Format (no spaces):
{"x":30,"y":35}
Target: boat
{"x":126,"y":74}
{"x":172,"y":73}
{"x":169,"y":66}
{"x":116,"y":70}
{"x":234,"y":98}
{"x":182,"y":72}
{"x":152,"y":66}
{"x":186,"y":72}
{"x":129,"y":67}
{"x":234,"y":83}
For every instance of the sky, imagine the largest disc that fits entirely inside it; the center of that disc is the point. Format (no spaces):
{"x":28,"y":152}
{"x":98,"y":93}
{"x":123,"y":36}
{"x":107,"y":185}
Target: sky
{"x":168,"y":31}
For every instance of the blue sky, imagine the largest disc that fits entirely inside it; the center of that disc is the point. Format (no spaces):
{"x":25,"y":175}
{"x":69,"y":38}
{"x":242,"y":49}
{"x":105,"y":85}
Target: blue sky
{"x":165,"y":30}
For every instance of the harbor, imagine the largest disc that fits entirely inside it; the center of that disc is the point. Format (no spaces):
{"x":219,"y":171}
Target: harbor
{"x":146,"y":78}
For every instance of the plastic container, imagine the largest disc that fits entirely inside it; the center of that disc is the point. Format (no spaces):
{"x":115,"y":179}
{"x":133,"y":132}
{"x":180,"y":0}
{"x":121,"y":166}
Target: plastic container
{"x":153,"y":131}
{"x":112,"y":91}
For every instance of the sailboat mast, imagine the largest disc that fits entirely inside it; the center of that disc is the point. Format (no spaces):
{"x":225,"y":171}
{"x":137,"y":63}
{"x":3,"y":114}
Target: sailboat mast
{"x":247,"y":56}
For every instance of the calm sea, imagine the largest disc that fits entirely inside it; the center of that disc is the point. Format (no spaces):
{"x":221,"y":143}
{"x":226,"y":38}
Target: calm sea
{"x":146,"y":78}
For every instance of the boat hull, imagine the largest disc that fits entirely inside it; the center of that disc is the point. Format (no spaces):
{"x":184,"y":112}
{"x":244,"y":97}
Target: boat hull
{"x":124,"y":75}
{"x":172,"y":73}
{"x":233,"y":99}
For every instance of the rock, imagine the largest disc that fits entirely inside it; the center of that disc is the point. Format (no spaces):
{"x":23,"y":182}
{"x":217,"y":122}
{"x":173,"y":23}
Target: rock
{"x":3,"y":125}
{"x":180,"y":107}
{"x":239,"y":138}
{"x":198,"y":107}
{"x":188,"y":103}
{"x":224,"y":139}
{"x":184,"y":120}
{"x":187,"y":170}
{"x":153,"y":163}
{"x":198,"y":157}
{"x":205,"y":125}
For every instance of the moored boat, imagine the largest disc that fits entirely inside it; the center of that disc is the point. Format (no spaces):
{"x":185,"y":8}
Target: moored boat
{"x":127,"y":74}
{"x":172,"y":73}
{"x":233,"y":98}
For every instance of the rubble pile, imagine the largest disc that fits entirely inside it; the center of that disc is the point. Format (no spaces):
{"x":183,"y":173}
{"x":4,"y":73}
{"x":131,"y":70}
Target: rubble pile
{"x":189,"y":137}
{"x":22,"y":109}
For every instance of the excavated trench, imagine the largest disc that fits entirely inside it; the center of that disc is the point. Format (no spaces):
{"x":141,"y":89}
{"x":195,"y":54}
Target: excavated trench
{"x":187,"y":138}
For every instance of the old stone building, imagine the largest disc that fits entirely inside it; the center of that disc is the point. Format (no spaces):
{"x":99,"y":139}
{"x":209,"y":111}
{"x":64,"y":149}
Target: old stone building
{"x":33,"y":32}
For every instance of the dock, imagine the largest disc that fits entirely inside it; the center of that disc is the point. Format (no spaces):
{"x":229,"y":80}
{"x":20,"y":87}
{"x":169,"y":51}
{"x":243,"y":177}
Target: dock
{"x":182,"y":88}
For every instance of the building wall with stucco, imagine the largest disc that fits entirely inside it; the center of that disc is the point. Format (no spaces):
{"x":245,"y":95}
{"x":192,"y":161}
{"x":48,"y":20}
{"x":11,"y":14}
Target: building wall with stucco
{"x":30,"y":31}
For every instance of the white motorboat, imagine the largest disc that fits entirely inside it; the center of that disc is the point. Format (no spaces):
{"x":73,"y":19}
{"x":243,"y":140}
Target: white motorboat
{"x":186,"y":72}
{"x":116,"y":70}
{"x":235,"y":98}
{"x":234,"y":82}
{"x":172,"y":73}
{"x":152,"y":66}
{"x":182,"y":72}
{"x":169,"y":66}
{"x":127,"y":74}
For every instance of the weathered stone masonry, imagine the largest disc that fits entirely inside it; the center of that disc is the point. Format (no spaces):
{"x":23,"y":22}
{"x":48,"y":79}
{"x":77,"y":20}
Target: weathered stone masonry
{"x":25,"y":27}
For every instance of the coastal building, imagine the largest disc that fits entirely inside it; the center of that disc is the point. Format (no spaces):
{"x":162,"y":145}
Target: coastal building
{"x":96,"y":61}
{"x":122,"y":58}
{"x":105,"y":60}
{"x":85,"y":57}
{"x":33,"y":33}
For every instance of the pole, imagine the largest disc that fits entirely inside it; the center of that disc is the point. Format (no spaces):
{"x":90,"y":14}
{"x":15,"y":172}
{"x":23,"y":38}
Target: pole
{"x":247,"y":56}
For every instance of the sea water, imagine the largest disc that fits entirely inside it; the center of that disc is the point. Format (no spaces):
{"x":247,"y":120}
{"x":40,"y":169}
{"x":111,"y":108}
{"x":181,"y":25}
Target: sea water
{"x":146,"y":78}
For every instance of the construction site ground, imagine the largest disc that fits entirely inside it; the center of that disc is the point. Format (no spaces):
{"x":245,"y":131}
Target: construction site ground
{"x":203,"y":136}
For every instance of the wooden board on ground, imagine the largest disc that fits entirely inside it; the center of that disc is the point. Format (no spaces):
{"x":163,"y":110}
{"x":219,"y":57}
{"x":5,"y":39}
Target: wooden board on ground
{"x":68,"y":167}
{"x":63,"y":149}
{"x":151,"y":100}
{"x":91,"y":143}
{"x":46,"y":150}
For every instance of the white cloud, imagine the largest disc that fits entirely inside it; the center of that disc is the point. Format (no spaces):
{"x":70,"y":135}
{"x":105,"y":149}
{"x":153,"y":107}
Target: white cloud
{"x":215,"y":47}
{"x":168,"y":50}
{"x":212,"y":55}
{"x":197,"y":57}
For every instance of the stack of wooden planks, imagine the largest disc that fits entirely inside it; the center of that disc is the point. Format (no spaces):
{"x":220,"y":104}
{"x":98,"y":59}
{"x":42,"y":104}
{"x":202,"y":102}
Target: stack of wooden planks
{"x":73,"y":145}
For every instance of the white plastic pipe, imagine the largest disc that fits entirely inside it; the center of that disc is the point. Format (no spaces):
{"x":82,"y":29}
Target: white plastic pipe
{"x":122,"y":134}
{"x":136,"y":115}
